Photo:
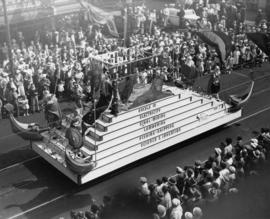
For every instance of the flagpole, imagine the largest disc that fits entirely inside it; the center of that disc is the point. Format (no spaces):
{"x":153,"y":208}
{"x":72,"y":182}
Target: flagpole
{"x":8,"y":36}
{"x":125,"y":26}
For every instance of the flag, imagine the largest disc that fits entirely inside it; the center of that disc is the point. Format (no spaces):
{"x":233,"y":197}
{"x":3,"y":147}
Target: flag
{"x":227,"y":40}
{"x":220,"y":41}
{"x":262,"y":40}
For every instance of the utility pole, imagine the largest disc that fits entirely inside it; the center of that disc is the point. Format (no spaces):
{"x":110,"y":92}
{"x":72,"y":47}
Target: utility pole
{"x":125,"y":24}
{"x":8,"y":37}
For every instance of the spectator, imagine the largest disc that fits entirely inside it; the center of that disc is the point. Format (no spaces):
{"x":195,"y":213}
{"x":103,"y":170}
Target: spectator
{"x":93,"y":213}
{"x":144,"y":190}
{"x":167,"y":201}
{"x":174,"y":191}
{"x":33,"y":94}
{"x":188,"y":215}
{"x":161,"y":213}
{"x":228,"y":148}
{"x":23,"y":103}
{"x":197,"y":213}
{"x":177,"y":211}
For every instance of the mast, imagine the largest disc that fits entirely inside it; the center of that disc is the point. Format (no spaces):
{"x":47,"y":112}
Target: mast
{"x":8,"y":37}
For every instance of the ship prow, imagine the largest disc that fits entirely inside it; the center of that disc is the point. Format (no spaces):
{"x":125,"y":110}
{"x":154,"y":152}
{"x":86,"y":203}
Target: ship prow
{"x":116,"y":141}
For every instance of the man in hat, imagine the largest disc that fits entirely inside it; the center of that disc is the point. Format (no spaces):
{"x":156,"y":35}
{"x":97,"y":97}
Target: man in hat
{"x":179,"y":178}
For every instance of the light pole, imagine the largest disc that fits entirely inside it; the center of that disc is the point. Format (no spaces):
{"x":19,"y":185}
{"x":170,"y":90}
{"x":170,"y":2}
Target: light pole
{"x":8,"y":36}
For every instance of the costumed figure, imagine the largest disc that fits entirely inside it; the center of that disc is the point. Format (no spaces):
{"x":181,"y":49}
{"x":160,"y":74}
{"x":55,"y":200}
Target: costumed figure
{"x":101,"y":96}
{"x":53,"y":112}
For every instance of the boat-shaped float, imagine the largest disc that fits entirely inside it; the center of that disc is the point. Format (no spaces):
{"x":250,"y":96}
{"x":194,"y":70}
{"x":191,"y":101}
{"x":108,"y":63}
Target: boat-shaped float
{"x":137,"y":131}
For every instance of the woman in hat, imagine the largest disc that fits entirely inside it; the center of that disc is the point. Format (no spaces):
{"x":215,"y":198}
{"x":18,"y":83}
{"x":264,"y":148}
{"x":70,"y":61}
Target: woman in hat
{"x":144,"y":190}
{"x":177,"y":211}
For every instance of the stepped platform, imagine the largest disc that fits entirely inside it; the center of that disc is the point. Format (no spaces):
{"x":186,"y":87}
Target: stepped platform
{"x":139,"y":132}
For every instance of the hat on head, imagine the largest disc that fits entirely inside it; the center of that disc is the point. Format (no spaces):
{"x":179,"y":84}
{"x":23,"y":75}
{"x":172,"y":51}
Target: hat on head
{"x":188,"y":215}
{"x":172,"y":181}
{"x":179,"y":170}
{"x":239,"y":138}
{"x":197,"y":212}
{"x":175,"y":202}
{"x":161,"y":210}
{"x":232,"y":169}
{"x":254,"y":145}
{"x":160,"y":194}
{"x":198,"y":163}
{"x":218,"y":150}
{"x":256,"y":153}
{"x":254,"y":140}
{"x":143,"y":179}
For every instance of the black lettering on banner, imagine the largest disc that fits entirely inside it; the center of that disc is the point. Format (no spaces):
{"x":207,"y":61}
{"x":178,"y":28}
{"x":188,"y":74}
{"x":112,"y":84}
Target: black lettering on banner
{"x":161,"y":136}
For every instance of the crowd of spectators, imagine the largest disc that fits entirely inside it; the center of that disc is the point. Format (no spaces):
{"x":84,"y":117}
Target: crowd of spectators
{"x":183,"y":195}
{"x":56,"y":60}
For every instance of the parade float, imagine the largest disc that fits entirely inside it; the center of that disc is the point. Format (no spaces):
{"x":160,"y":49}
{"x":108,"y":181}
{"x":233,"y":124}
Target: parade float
{"x":126,"y":123}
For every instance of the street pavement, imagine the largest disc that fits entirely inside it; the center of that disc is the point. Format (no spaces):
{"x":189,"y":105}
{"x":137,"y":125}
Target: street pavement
{"x":34,"y":189}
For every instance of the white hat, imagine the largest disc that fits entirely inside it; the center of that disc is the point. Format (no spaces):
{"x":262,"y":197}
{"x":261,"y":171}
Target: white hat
{"x":46,"y":93}
{"x":218,"y":150}
{"x":188,"y":215}
{"x":175,"y":202}
{"x":179,"y":170}
{"x":143,"y":179}
{"x":232,"y":169}
{"x":254,"y":140}
{"x":161,"y":210}
{"x":197,"y":212}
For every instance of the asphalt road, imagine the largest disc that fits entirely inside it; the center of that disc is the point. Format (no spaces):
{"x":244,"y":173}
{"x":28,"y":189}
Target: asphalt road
{"x":34,"y":189}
